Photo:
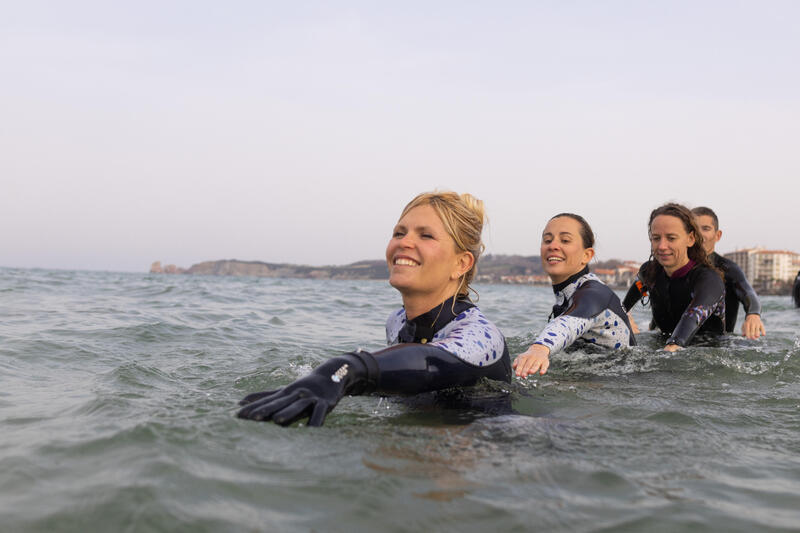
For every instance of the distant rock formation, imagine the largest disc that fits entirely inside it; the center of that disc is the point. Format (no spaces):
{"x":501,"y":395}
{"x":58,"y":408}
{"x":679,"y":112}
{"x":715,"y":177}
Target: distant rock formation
{"x":491,"y":268}
{"x":234,"y":267}
{"x":156,"y":268}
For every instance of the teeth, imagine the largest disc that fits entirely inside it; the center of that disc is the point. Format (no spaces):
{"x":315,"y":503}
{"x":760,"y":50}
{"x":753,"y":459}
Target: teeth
{"x":554,"y":259}
{"x":406,"y":262}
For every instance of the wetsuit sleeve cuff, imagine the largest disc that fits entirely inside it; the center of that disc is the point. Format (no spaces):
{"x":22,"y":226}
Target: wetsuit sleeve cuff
{"x":674,"y":340}
{"x":371,"y":371}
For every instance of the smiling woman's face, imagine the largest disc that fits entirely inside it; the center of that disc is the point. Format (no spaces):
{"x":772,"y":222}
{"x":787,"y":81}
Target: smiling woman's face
{"x":422,"y":257}
{"x":562,"y":249}
{"x":670,"y":242}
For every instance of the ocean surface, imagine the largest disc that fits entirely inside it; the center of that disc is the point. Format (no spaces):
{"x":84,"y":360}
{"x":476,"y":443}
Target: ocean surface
{"x":118,"y":393}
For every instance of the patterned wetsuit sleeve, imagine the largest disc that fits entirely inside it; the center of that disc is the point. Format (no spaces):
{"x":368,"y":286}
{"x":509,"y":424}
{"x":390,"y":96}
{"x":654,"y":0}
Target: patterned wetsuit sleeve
{"x":708,"y":294}
{"x":744,"y":292}
{"x":595,"y":311}
{"x":562,"y":331}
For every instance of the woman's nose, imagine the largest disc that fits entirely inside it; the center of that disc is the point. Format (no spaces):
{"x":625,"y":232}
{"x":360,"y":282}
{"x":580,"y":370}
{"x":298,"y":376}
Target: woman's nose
{"x":407,"y":241}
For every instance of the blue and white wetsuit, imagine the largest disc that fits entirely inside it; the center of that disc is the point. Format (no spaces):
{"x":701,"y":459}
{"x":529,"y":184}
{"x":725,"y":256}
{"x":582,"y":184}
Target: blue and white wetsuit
{"x":458,"y":330}
{"x":586,"y":309}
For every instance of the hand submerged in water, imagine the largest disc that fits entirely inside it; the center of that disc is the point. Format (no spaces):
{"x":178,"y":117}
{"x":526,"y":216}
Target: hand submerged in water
{"x":312,"y":396}
{"x":536,"y":359}
{"x":753,"y":327}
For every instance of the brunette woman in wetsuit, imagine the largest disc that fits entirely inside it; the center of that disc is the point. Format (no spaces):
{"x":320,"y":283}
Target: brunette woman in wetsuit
{"x":438,"y":339}
{"x":686,"y":293}
{"x":585,"y":309}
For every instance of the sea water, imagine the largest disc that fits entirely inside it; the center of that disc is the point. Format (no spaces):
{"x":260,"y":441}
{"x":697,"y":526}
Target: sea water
{"x":118,"y":393}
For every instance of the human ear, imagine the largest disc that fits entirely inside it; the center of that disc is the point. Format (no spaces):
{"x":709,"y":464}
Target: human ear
{"x":464,"y":262}
{"x":588,"y":254}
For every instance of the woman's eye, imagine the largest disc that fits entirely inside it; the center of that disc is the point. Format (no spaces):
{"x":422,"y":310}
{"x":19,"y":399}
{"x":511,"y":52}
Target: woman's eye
{"x":397,"y":234}
{"x":427,"y":236}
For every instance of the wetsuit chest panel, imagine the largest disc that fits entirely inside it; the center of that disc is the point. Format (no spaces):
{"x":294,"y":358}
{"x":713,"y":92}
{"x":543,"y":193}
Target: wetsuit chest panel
{"x":685,"y":305}
{"x":468,"y":335}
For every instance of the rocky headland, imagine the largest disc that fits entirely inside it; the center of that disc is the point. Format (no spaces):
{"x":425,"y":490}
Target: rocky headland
{"x":492,"y":268}
{"x":235,"y":267}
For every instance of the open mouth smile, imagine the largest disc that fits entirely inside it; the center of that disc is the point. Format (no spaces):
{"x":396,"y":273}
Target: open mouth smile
{"x":404,"y":261}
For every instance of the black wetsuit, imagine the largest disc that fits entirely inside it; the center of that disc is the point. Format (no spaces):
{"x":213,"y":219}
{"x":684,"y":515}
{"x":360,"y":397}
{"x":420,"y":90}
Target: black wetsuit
{"x":692,"y":300}
{"x":449,"y":346}
{"x":796,"y":290}
{"x":737,"y":289}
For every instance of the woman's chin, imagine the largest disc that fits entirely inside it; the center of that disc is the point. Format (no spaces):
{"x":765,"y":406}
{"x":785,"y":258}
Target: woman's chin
{"x":556,"y":272}
{"x":401,"y":284}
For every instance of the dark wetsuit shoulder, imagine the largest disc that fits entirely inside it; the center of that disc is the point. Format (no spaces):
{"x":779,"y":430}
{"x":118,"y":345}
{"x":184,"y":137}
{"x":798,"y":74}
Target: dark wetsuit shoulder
{"x":737,"y":290}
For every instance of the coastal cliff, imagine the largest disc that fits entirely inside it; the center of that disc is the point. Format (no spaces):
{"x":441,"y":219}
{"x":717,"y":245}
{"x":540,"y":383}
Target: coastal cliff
{"x":492,"y":268}
{"x":234,"y":267}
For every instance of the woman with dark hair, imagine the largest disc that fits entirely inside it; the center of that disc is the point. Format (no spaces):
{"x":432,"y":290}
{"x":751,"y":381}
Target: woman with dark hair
{"x":687,"y":294}
{"x":796,"y":290}
{"x":439,"y":339}
{"x":585,"y":307}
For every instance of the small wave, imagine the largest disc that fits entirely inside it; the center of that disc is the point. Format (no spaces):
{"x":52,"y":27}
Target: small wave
{"x":735,"y":355}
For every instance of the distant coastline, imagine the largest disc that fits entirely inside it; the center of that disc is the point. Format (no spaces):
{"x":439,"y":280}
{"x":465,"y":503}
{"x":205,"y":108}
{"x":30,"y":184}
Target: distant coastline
{"x":492,"y":268}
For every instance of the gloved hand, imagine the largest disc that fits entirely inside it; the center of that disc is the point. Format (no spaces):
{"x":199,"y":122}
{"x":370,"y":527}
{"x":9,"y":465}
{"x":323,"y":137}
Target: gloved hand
{"x":313,"y":396}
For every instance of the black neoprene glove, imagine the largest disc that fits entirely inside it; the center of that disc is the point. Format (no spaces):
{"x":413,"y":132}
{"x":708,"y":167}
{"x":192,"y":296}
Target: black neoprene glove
{"x":312,"y":396}
{"x":408,"y":368}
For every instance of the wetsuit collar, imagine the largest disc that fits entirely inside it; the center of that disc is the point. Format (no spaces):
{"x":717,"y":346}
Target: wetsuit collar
{"x":424,"y":327}
{"x":561,"y":286}
{"x":566,"y":289}
{"x":682,"y":271}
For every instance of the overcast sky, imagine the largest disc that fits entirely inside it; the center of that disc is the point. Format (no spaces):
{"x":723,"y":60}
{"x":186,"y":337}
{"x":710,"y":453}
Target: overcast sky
{"x":185,"y":131}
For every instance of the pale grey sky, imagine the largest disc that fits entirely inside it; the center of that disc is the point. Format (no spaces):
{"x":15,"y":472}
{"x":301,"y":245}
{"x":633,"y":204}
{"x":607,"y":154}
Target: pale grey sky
{"x":296,"y":131}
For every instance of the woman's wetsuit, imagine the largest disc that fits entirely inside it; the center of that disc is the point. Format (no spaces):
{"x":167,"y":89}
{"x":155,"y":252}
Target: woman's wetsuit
{"x":796,"y":290}
{"x":689,"y":301}
{"x":737,"y":289}
{"x":451,"y":345}
{"x":587,"y":309}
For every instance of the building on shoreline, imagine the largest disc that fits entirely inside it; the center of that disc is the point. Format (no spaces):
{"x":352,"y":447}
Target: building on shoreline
{"x":621,"y":276}
{"x":767,"y":270}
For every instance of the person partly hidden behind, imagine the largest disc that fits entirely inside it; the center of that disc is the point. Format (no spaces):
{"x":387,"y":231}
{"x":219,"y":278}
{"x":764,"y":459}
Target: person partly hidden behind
{"x":737,"y":289}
